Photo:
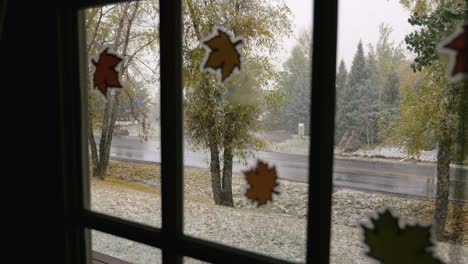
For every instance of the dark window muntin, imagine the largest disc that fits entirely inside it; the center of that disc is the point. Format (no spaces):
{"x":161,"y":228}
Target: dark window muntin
{"x":170,"y":238}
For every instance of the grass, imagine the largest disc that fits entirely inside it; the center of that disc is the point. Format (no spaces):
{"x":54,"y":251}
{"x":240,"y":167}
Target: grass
{"x":135,"y":175}
{"x":120,"y":184}
{"x":134,"y":171}
{"x":457,"y":221}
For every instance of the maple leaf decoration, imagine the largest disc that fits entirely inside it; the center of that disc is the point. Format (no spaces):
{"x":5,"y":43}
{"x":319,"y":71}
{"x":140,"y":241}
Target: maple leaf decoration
{"x":222,"y":54}
{"x":456,"y":46}
{"x":262,"y":181}
{"x":105,"y":75}
{"x":391,"y":244}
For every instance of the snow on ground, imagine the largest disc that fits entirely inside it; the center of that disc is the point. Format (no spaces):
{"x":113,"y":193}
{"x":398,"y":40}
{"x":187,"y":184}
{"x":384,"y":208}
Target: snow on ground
{"x":394,"y":152}
{"x":278,"y":230}
{"x":293,"y":144}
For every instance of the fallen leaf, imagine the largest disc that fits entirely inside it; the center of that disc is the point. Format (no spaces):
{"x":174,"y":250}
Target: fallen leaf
{"x":105,"y":75}
{"x":390,"y":244}
{"x":222,"y":54}
{"x":262,"y":181}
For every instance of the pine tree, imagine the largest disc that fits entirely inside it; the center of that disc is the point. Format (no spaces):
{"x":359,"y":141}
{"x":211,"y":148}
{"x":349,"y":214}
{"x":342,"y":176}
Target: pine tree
{"x":355,"y":102}
{"x":390,"y":94}
{"x":341,"y":85}
{"x":358,"y":74}
{"x":295,"y":85}
{"x":369,"y":109}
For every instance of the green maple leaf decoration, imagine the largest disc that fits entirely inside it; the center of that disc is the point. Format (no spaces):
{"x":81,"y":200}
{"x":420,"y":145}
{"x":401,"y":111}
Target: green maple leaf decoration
{"x":391,"y":244}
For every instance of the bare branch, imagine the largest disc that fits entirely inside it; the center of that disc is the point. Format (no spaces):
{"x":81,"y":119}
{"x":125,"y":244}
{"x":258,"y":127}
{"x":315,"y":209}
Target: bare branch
{"x":136,"y":52}
{"x":96,"y":28}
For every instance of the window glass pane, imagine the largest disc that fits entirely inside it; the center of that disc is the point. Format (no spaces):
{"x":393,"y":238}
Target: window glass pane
{"x":399,"y":129}
{"x":122,"y":44}
{"x":260,"y":112}
{"x":105,"y":247}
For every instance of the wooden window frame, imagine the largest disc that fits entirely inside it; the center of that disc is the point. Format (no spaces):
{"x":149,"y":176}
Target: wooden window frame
{"x":79,"y":219}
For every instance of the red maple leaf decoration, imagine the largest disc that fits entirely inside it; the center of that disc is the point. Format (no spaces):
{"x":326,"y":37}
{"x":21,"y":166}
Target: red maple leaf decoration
{"x":105,"y":75}
{"x":456,"y":46}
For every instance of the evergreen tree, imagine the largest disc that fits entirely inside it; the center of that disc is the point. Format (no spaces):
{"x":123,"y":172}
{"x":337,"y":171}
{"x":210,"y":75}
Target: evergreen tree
{"x":389,"y":105}
{"x":341,"y":78}
{"x":341,"y":86}
{"x":369,"y":110}
{"x":358,"y":74}
{"x":357,"y":104}
{"x":294,"y":84}
{"x":390,"y":94}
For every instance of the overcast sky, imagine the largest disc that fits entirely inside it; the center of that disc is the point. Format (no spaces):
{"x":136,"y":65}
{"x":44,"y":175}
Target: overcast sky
{"x":357,"y":19}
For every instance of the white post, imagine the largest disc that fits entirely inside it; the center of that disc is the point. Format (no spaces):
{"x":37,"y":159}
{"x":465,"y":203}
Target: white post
{"x":300,"y":130}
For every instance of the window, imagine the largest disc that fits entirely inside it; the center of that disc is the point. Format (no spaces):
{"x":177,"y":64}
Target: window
{"x":124,"y":124}
{"x":381,"y":103}
{"x":105,"y":245}
{"x":169,"y":236}
{"x":253,"y":117}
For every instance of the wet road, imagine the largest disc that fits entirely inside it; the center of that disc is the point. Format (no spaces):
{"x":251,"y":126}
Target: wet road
{"x":407,"y":178}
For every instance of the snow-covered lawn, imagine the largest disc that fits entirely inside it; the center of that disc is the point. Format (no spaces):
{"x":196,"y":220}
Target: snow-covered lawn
{"x":396,"y":153}
{"x":296,"y":145}
{"x":277,"y":229}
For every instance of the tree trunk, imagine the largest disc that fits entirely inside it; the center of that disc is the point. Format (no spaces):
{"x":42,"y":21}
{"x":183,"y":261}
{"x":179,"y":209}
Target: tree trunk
{"x":464,"y":122}
{"x":461,"y":154}
{"x":215,"y":174}
{"x":442,"y":191}
{"x":92,"y":143}
{"x":444,"y":158}
{"x":343,"y":139}
{"x":227,"y":177}
{"x":367,"y":133}
{"x":106,"y":135}
{"x":104,"y":140}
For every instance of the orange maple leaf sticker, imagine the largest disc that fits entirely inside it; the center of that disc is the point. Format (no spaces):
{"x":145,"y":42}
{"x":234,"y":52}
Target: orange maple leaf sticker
{"x":222,"y":56}
{"x":105,"y":75}
{"x":456,"y":47}
{"x":262,"y":181}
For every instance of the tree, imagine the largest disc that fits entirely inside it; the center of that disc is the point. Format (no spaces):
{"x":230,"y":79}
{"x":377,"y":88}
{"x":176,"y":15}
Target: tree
{"x":359,"y":73}
{"x":127,"y":29}
{"x":135,"y":106}
{"x":294,"y":84}
{"x":341,"y":86}
{"x":359,"y":107}
{"x":370,"y":103}
{"x":223,"y":118}
{"x":389,"y":105}
{"x":386,"y":61}
{"x":390,"y":93}
{"x":429,"y":111}
{"x":362,"y":116}
{"x":351,"y":95}
{"x":389,"y":56}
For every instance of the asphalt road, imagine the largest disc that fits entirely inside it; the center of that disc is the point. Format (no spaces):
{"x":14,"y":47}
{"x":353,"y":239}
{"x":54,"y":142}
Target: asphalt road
{"x":404,"y":178}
